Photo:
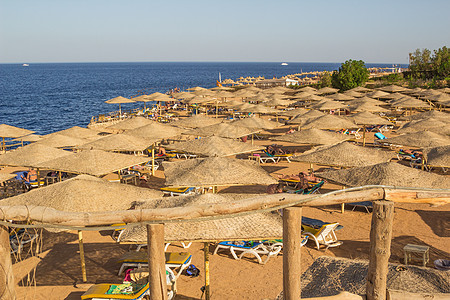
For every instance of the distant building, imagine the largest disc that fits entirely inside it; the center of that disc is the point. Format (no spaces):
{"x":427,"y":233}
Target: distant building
{"x":268,"y":83}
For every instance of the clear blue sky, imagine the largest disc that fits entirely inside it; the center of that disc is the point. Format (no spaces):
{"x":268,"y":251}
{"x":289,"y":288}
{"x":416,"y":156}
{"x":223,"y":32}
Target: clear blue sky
{"x":381,"y":31}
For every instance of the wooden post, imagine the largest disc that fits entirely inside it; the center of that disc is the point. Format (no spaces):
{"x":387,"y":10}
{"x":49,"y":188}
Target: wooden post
{"x":153,"y":160}
{"x":380,"y":249}
{"x":207,"y":290}
{"x":7,"y":291}
{"x":60,"y":176}
{"x":156,"y":262}
{"x":292,"y":230}
{"x":364,"y":135}
{"x":83,"y":263}
{"x":343,"y":204}
{"x":253,"y":138}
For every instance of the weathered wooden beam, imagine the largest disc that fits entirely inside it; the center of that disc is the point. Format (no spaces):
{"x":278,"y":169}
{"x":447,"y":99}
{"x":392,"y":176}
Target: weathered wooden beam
{"x":7,"y":291}
{"x":380,"y":249}
{"x":156,"y":262}
{"x":292,"y":235}
{"x":435,"y":197}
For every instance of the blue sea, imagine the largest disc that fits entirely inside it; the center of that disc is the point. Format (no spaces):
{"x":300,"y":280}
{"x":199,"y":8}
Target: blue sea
{"x":49,"y":97}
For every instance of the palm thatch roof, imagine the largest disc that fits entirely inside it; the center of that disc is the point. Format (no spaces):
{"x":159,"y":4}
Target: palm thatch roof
{"x":367,"y":107}
{"x":155,"y":130}
{"x":303,"y":118}
{"x":278,"y":102}
{"x":438,"y":156}
{"x":327,"y":90}
{"x":354,"y":94}
{"x":409,"y":102}
{"x":367,"y":100}
{"x":255,"y":122}
{"x":32,"y":155}
{"x":142,"y":98}
{"x":341,"y":97}
{"x":366,"y":118}
{"x":259,"y":109}
{"x":119,"y":100}
{"x":420,"y":139}
{"x":93,"y":162}
{"x":360,"y":89}
{"x":8,"y":131}
{"x":244,"y":93}
{"x":118,"y":142}
{"x":256,"y":226}
{"x":131,"y":123}
{"x":345,"y":155}
{"x":308,"y":89}
{"x":313,"y":136}
{"x":196,"y":88}
{"x":420,"y":125}
{"x":61,"y":141}
{"x":393,"y":89}
{"x":437,"y":115}
{"x":5,"y":177}
{"x":377,"y":94}
{"x":215,"y":171}
{"x":214,"y":146}
{"x":328,"y":105}
{"x":196,"y":121}
{"x":184,"y":95}
{"x":389,"y":173}
{"x":84,"y":194}
{"x":293,"y":112}
{"x":328,"y":122}
{"x":28,"y":138}
{"x":226,"y":130}
{"x":78,"y":132}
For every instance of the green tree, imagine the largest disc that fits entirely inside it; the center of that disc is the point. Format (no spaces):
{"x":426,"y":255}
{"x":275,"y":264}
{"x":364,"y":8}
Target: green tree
{"x":325,"y":80}
{"x":441,"y":62}
{"x":351,"y":74}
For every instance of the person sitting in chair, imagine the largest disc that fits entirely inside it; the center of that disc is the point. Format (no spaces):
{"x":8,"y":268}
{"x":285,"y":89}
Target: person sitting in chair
{"x":31,"y":176}
{"x":161,"y":151}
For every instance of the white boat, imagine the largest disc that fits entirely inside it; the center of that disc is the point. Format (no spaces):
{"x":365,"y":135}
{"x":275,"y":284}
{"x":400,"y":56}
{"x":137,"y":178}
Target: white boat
{"x":284,"y":64}
{"x":25,"y":65}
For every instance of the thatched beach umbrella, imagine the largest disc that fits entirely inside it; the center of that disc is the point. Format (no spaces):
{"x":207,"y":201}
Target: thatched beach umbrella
{"x":312,"y":136}
{"x":61,"y":141}
{"x":388,"y":173}
{"x":196,"y":121}
{"x":329,"y":122}
{"x":215,"y":171}
{"x":119,"y":100}
{"x":409,"y":102}
{"x":120,"y":143}
{"x":420,"y":139}
{"x":367,"y":107}
{"x":344,"y":155}
{"x":28,"y":138}
{"x":438,"y":156}
{"x":293,"y":112}
{"x":328,"y":105}
{"x":226,"y":130}
{"x":77,"y":132}
{"x":32,"y":155}
{"x":131,"y":123}
{"x":143,"y":98}
{"x":393,"y":89}
{"x":354,"y":94}
{"x":437,"y":115}
{"x":367,"y":100}
{"x":278,"y":102}
{"x":8,"y":131}
{"x":214,"y":146}
{"x":366,"y":118}
{"x":308,"y":89}
{"x":155,"y":131}
{"x":303,"y":118}
{"x":93,"y":162}
{"x":377,"y":94}
{"x":420,"y":125}
{"x":255,"y":122}
{"x":327,"y":90}
{"x":341,"y":97}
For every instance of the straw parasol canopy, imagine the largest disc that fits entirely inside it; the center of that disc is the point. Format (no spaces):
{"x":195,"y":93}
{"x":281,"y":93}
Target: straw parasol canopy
{"x":214,"y":146}
{"x":278,"y":102}
{"x":388,"y":173}
{"x":226,"y":130}
{"x":131,"y":123}
{"x":184,"y":95}
{"x":159,"y":97}
{"x":142,"y":98}
{"x":119,"y":100}
{"x":5,"y":177}
{"x":118,"y":142}
{"x":155,"y":131}
{"x":409,"y":102}
{"x":367,"y":107}
{"x":302,"y":95}
{"x":77,"y":132}
{"x":328,"y":105}
{"x":439,"y":98}
{"x":61,"y":141}
{"x":196,"y":121}
{"x":395,"y":96}
{"x":204,"y":93}
{"x":327,"y":90}
{"x":393,"y":89}
{"x":8,"y":131}
{"x":364,"y":100}
{"x":328,"y":122}
{"x":438,"y":115}
{"x":258,"y":109}
{"x":438,"y":156}
{"x":293,"y":112}
{"x":366,"y":118}
{"x":301,"y":119}
{"x":28,"y":138}
{"x":199,"y":100}
{"x":377,"y":94}
{"x":256,"y":226}
{"x":93,"y":162}
{"x":197,"y":88}
{"x":353,"y":94}
{"x":215,"y":171}
{"x":360,"y":89}
{"x":32,"y":155}
{"x":424,"y":124}
{"x":420,"y":139}
{"x":255,"y":122}
{"x":244,"y":93}
{"x":345,"y":155}
{"x":341,"y":97}
{"x":277,"y":90}
{"x":84,"y":194}
{"x":312,"y":136}
{"x":308,"y":89}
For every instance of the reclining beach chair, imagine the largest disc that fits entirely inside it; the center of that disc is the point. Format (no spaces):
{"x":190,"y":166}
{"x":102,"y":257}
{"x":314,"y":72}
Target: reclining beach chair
{"x":265,"y":158}
{"x":249,"y":247}
{"x":325,"y":235}
{"x":20,"y":237}
{"x":314,"y":189}
{"x":131,"y":291}
{"x":178,"y":191}
{"x":364,"y":204}
{"x":174,"y":260}
{"x":286,"y":156}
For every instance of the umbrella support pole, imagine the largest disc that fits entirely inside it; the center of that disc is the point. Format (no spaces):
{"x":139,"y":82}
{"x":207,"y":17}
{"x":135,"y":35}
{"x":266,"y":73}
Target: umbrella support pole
{"x":364,"y":135}
{"x":153,"y":160}
{"x":83,"y":263}
{"x":253,"y":138}
{"x":38,"y":178}
{"x":292,"y":219}
{"x":343,"y":204}
{"x":311,"y":169}
{"x":6,"y":272}
{"x":156,"y":262}
{"x":217,"y":109}
{"x":60,"y":176}
{"x":207,"y":290}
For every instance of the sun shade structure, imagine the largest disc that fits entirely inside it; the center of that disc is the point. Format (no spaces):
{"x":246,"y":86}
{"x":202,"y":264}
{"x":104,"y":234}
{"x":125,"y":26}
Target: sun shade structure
{"x":420,"y":125}
{"x":293,"y":112}
{"x":345,"y":155}
{"x":313,"y":136}
{"x":328,"y":105}
{"x":214,"y":146}
{"x":196,"y":121}
{"x":366,"y":100}
{"x":155,"y":130}
{"x":393,"y":89}
{"x":360,"y":89}
{"x":438,"y":156}
{"x":256,"y":226}
{"x":367,"y":107}
{"x":215,"y":171}
{"x":8,"y":131}
{"x":279,"y":102}
{"x":119,"y":100}
{"x":341,"y":97}
{"x":118,"y":142}
{"x":32,"y":155}
{"x":28,"y":138}
{"x":255,"y":122}
{"x":259,"y":109}
{"x":131,"y":123}
{"x":226,"y":130}
{"x":327,"y":90}
{"x":61,"y":141}
{"x":308,"y":89}
{"x":386,"y":174}
{"x":353,"y":94}
{"x":309,"y":115}
{"x":93,"y":162}
{"x":77,"y":132}
{"x":434,"y":114}
{"x":84,"y":193}
{"x":420,"y":139}
{"x":377,"y":94}
{"x":366,"y":118}
{"x":328,"y":122}
{"x":409,"y":102}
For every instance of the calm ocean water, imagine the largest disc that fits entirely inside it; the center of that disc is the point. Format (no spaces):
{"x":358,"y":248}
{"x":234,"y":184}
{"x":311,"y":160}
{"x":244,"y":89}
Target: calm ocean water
{"x":51,"y":97}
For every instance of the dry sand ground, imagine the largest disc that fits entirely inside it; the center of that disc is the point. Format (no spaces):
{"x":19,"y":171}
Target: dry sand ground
{"x":58,"y":274}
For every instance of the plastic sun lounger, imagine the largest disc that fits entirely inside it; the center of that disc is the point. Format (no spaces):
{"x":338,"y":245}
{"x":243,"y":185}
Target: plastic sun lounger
{"x":284,"y":156}
{"x":255,"y":248}
{"x":177,"y":191}
{"x":365,"y":204}
{"x":325,"y":235}
{"x":174,"y":260}
{"x":265,"y":158}
{"x":314,"y":189}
